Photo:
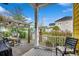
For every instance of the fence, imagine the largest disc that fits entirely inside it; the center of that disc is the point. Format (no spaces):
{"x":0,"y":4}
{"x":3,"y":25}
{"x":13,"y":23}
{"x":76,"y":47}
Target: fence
{"x":54,"y":40}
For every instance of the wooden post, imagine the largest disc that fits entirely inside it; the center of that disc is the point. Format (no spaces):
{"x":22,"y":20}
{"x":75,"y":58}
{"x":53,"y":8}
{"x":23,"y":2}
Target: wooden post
{"x":29,"y":33}
{"x":40,"y":36}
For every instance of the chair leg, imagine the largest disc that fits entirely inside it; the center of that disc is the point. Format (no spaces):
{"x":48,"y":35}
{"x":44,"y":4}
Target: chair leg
{"x":56,"y":51}
{"x":62,"y":54}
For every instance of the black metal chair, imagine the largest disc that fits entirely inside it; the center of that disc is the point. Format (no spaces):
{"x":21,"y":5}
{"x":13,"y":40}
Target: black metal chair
{"x":8,"y":41}
{"x":5,"y":39}
{"x":5,"y":49}
{"x":69,"y":47}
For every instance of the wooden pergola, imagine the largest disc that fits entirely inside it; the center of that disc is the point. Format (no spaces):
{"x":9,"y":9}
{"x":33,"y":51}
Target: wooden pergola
{"x":9,"y":22}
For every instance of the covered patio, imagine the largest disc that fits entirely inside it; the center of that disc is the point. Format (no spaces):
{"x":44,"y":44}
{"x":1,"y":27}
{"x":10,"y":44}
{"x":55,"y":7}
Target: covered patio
{"x":40,"y":50}
{"x":37,"y":47}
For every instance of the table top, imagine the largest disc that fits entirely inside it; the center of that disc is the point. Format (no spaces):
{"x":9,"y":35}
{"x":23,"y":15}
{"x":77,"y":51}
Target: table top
{"x":12,"y":38}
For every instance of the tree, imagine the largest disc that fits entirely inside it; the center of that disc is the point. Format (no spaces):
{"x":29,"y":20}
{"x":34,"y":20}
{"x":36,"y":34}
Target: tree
{"x":18,"y":13}
{"x":2,"y":18}
{"x":56,"y":28}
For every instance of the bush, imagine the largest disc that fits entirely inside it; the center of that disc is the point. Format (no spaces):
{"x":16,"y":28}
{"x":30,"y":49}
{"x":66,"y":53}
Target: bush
{"x":22,"y":34}
{"x":57,"y":33}
{"x":21,"y":31}
{"x":48,"y":43}
{"x":7,"y":34}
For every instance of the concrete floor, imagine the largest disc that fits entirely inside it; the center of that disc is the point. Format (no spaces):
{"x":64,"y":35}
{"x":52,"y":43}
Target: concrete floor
{"x":39,"y":52}
{"x":25,"y":49}
{"x":22,"y":48}
{"x":43,"y":52}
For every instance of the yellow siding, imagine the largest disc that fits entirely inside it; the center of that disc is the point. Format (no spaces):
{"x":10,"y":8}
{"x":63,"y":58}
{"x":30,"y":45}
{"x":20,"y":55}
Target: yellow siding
{"x":76,"y":22}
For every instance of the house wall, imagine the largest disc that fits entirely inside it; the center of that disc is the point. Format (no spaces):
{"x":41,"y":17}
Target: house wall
{"x":76,"y":22}
{"x":65,"y":25}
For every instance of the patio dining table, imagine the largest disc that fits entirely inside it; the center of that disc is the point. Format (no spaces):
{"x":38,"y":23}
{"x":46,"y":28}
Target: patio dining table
{"x":13,"y":39}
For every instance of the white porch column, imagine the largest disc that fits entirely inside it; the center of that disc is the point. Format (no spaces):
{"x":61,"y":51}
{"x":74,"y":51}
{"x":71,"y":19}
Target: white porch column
{"x":36,"y":37}
{"x":36,"y":27}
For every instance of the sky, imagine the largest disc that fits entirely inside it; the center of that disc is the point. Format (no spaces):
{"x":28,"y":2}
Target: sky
{"x":50,"y":12}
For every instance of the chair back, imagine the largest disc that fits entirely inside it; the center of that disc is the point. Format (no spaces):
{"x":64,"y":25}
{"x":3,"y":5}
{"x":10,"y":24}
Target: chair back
{"x":71,"y":42}
{"x":6,"y":40}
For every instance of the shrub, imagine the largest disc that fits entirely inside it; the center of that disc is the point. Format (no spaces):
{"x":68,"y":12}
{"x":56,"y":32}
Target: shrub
{"x":48,"y":43}
{"x":7,"y":34}
{"x":22,"y":34}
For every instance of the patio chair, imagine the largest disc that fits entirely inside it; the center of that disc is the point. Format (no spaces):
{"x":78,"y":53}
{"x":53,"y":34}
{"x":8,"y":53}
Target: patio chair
{"x":5,"y":50}
{"x":5,"y":39}
{"x":8,"y":41}
{"x":68,"y":48}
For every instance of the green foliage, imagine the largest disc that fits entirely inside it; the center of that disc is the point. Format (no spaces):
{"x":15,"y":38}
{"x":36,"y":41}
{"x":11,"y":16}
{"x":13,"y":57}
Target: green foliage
{"x":56,"y":28}
{"x":2,"y":18}
{"x":6,"y":34}
{"x":13,"y":29}
{"x":48,"y":43}
{"x":22,"y":34}
{"x":22,"y":29}
{"x":18,"y":13}
{"x":57,"y":33}
{"x":18,"y":17}
{"x":52,"y":40}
